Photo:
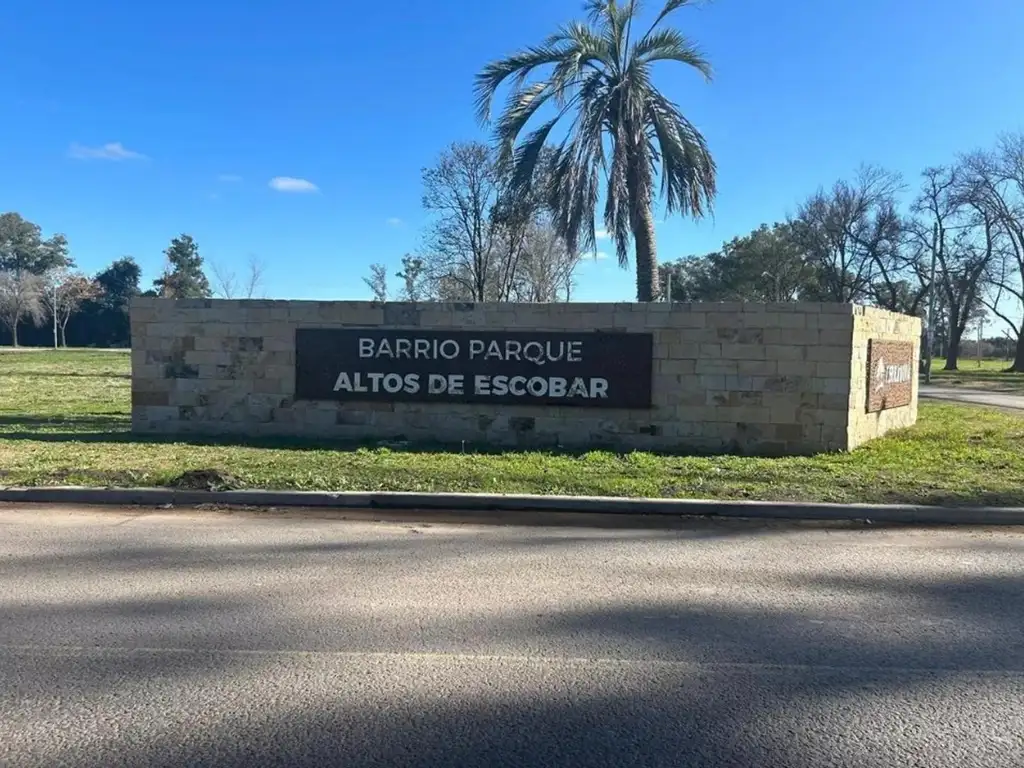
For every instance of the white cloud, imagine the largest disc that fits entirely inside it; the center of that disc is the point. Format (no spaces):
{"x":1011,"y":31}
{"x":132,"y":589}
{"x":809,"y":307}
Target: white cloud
{"x":229,"y":178}
{"x":113,"y":150}
{"x":602,"y":234}
{"x":288,"y":184}
{"x":595,"y":255}
{"x":394,"y":221}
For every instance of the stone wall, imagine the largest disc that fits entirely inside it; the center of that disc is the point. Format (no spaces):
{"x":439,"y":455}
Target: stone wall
{"x":758,"y":378}
{"x":868,"y":324}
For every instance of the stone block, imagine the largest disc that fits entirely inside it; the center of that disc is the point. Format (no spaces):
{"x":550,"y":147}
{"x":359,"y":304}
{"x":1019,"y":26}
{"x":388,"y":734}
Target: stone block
{"x":744,"y":351}
{"x":784,"y":353}
{"x":710,"y":351}
{"x":757,"y":367}
{"x":144,"y":398}
{"x":832,"y":370}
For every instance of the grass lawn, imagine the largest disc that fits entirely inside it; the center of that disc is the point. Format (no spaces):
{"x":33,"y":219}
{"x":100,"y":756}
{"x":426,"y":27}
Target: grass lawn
{"x":64,"y":419}
{"x":988,"y":376}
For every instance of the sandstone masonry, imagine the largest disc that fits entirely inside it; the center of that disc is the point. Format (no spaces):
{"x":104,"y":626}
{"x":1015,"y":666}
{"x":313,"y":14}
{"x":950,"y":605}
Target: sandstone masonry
{"x":755,"y":378}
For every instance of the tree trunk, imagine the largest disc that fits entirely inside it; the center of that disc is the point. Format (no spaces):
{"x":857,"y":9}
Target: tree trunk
{"x":953,"y":354}
{"x":1018,"y":361}
{"x":14,"y":334}
{"x":63,"y":337}
{"x":647,"y":288}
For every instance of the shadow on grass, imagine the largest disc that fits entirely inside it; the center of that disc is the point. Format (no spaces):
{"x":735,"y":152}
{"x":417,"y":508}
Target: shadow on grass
{"x":63,"y":374}
{"x":64,"y":420}
{"x":397,"y":444}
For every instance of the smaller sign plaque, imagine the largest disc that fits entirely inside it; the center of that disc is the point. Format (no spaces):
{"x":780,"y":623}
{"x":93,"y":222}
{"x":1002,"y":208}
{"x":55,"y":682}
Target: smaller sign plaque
{"x":891,"y":371}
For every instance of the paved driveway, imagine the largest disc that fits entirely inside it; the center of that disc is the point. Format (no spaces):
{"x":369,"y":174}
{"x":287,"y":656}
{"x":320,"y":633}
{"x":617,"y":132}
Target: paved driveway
{"x":975,"y":396}
{"x":233,"y":640}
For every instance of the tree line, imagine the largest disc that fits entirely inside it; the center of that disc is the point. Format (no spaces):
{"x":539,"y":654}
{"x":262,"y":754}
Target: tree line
{"x":953,"y":241}
{"x":46,"y":301}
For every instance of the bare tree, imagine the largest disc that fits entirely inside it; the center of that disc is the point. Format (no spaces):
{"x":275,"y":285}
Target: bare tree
{"x":253,"y":283}
{"x":415,"y":284}
{"x":962,"y":239}
{"x":851,"y":233}
{"x":378,"y":282}
{"x":62,"y":293}
{"x":548,"y":267}
{"x":20,"y":300}
{"x":490,"y":234}
{"x":225,"y":282}
{"x":463,"y":190}
{"x":228,"y":285}
{"x":996,"y":185}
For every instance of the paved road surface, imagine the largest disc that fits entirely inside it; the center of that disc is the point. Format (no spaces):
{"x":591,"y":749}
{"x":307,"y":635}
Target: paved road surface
{"x":233,"y":640}
{"x":975,"y":396}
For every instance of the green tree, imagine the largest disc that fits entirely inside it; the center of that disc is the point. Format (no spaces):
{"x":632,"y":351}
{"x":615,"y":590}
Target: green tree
{"x":602,"y":74}
{"x":104,"y":318}
{"x":23,"y":249}
{"x":183,"y":276}
{"x":766,"y":265}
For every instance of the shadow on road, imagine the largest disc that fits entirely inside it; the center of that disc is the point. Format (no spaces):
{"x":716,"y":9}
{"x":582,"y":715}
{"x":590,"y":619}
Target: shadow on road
{"x":724,"y":673}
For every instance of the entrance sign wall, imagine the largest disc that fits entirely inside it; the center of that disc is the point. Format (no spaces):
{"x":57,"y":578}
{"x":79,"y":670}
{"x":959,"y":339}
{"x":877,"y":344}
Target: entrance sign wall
{"x":756,"y":378}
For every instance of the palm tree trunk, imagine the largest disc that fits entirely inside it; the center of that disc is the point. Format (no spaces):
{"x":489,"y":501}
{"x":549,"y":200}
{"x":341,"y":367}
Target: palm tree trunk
{"x":647,"y":288}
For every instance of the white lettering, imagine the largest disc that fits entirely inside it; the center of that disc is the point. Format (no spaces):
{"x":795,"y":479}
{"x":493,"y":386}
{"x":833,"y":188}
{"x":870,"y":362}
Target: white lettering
{"x":493,"y":350}
{"x":512,"y":350}
{"x":456,"y":384}
{"x":384,"y":349}
{"x":557,"y":386}
{"x":534,"y":352}
{"x":412,"y":383}
{"x":575,"y":354}
{"x":482,"y":385}
{"x":402,"y":348}
{"x":499,"y":386}
{"x":551,"y":355}
{"x":449,"y":349}
{"x":375,"y":381}
{"x":421,"y":348}
{"x":516,"y":385}
{"x":578,"y":388}
{"x":393,"y":383}
{"x":366,"y":347}
{"x":476,"y":346}
{"x":343,"y":383}
{"x":357,"y":385}
{"x":598,"y":388}
{"x":537,"y":386}
{"x":437,"y":383}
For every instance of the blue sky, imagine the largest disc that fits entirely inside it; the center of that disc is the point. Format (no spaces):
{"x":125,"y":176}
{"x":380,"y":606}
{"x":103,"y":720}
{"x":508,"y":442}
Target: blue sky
{"x":127,"y":123}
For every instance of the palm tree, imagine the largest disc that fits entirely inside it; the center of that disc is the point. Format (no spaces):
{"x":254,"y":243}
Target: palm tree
{"x":621,"y":125}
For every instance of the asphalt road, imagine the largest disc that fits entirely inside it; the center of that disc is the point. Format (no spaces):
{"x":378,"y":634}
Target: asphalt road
{"x":1008,"y":400}
{"x":203,"y":639}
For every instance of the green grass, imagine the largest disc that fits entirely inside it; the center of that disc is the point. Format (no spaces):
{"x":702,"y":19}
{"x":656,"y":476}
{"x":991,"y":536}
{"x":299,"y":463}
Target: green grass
{"x":64,"y":419}
{"x":990,"y":376}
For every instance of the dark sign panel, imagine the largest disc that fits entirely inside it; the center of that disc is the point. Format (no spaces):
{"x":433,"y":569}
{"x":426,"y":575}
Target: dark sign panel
{"x":891,"y":372}
{"x":598,"y":370}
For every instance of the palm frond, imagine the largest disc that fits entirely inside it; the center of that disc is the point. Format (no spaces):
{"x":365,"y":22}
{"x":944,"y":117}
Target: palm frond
{"x":671,"y":6}
{"x":687,"y":168}
{"x":525,"y":159}
{"x":670,"y":45}
{"x":519,"y":64}
{"x":519,"y":108}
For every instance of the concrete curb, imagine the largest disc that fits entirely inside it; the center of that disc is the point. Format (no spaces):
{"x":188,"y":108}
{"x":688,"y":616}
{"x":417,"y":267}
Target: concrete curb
{"x":476,"y":503}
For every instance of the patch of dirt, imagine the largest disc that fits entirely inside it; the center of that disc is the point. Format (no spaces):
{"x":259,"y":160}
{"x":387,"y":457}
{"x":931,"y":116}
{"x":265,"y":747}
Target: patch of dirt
{"x":206,"y":480}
